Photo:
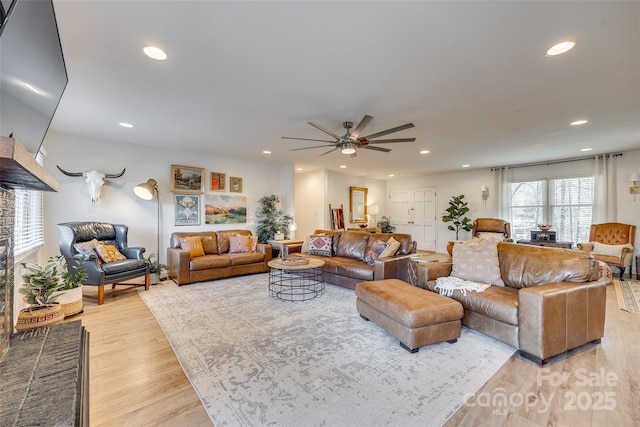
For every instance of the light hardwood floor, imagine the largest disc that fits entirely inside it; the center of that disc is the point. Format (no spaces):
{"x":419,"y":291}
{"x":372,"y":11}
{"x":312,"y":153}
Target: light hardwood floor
{"x":136,"y":379}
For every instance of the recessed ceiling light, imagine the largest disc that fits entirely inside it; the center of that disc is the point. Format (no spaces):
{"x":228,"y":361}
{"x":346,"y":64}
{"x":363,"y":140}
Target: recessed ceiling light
{"x":586,"y":149}
{"x":579,"y":122}
{"x":560,"y":48}
{"x":299,"y":169}
{"x":465,"y":166}
{"x":391,"y":175}
{"x":155,"y":53}
{"x":125,"y":125}
{"x":266,"y":152}
{"x":424,"y":152}
{"x":343,"y":166}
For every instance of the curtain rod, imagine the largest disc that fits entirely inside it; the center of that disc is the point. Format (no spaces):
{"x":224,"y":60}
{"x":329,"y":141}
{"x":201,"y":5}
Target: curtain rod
{"x":552,"y":162}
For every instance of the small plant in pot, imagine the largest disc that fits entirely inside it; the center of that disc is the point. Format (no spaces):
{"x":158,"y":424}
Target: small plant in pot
{"x":52,"y":293}
{"x":155,"y":269}
{"x":385,"y":225}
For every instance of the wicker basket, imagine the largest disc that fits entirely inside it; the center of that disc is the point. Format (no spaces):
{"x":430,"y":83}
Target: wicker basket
{"x":72,"y":308}
{"x":39,"y":317}
{"x":71,"y":301}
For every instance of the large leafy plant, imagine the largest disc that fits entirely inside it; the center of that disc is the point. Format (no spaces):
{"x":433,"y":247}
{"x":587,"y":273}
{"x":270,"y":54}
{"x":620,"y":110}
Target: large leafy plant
{"x":271,"y":220}
{"x":455,"y":214}
{"x":42,"y":284}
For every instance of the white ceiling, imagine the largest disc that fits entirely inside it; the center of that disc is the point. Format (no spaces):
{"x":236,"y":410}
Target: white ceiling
{"x":472,"y":76}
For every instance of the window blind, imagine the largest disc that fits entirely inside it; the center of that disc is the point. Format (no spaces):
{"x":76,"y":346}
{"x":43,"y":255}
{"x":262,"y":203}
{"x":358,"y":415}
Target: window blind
{"x":28,"y":231}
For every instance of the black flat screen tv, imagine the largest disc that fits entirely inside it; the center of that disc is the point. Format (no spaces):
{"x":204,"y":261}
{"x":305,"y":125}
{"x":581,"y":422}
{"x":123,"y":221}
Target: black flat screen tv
{"x":33,"y":75}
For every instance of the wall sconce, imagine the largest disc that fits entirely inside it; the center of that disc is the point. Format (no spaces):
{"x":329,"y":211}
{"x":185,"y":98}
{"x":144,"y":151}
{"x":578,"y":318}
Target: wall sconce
{"x":634,"y":188}
{"x":485,"y":194}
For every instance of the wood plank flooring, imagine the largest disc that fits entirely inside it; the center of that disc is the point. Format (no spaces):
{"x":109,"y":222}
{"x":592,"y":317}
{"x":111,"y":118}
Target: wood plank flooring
{"x":136,"y":379}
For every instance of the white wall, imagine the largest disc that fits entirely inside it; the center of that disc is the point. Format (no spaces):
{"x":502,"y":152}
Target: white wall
{"x":119,"y":204}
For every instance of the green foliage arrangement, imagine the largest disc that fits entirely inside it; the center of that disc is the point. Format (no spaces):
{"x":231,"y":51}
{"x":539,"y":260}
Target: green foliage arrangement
{"x":154,"y":266}
{"x":385,"y":225}
{"x":42,"y":284}
{"x":455,"y":214}
{"x":271,"y":220}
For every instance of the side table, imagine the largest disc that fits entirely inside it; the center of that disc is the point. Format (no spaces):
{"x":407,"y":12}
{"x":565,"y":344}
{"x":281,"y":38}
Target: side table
{"x":546,"y":243}
{"x":279,"y":245}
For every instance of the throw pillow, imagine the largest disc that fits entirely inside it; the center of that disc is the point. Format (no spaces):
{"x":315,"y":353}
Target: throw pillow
{"x":476,"y":260}
{"x":209,"y":245}
{"x":392,"y":247}
{"x":374,"y":251}
{"x":193,"y":245}
{"x":254,"y":243}
{"x":320,"y":245}
{"x":86,"y":248}
{"x":305,"y":243}
{"x":608,"y":250}
{"x":239,"y":244}
{"x":490,"y":236}
{"x":108,"y":253}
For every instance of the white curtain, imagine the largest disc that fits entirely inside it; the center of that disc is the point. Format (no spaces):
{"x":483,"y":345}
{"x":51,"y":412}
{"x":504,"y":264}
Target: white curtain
{"x":604,"y":173}
{"x":502,"y":180}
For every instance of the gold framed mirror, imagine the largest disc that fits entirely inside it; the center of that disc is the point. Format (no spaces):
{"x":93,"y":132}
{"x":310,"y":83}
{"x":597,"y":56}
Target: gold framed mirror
{"x":357,"y":204}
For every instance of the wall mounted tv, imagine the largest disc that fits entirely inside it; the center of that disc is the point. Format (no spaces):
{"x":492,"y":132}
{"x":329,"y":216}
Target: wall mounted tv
{"x":33,"y":75}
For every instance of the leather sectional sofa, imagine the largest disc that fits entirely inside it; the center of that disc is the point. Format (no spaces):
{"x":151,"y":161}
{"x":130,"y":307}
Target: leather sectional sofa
{"x":552,"y":301}
{"x":217,"y":262}
{"x":346,"y":266}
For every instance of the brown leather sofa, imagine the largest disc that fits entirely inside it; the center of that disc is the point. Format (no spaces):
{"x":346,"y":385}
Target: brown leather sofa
{"x":552,"y":300}
{"x":346,"y":266}
{"x":217,"y":262}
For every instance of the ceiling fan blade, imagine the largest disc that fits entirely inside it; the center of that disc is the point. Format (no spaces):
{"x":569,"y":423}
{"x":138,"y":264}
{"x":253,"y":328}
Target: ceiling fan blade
{"x":363,"y":124}
{"x":330,"y":151}
{"x":306,"y":148}
{"x":328,"y":132}
{"x":368,"y":147}
{"x":388,"y":131}
{"x":387,"y":141}
{"x":308,"y":139}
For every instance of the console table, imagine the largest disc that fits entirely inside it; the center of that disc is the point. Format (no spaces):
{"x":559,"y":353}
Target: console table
{"x":45,"y":377}
{"x":547,"y":243}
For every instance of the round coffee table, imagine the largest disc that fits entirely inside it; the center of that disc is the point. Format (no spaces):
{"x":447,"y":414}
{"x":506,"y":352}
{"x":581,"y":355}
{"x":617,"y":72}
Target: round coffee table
{"x":296,"y":282}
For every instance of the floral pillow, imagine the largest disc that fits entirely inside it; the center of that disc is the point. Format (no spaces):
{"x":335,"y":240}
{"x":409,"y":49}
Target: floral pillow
{"x":320,"y":245}
{"x":374,"y":251}
{"x":108,"y":253}
{"x":193,"y":245}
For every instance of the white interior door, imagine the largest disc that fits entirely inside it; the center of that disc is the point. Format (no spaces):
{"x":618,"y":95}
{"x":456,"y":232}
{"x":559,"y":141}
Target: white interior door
{"x":414,"y":212}
{"x":401,"y":210}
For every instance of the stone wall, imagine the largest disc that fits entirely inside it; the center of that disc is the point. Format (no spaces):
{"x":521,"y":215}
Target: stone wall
{"x":7,"y":209}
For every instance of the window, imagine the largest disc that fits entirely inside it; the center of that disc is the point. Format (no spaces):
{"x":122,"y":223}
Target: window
{"x":566,"y":204}
{"x":28,"y":231}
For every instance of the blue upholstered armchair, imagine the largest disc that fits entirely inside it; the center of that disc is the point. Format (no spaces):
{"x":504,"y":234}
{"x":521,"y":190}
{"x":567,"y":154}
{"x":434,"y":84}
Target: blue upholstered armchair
{"x":77,"y":242}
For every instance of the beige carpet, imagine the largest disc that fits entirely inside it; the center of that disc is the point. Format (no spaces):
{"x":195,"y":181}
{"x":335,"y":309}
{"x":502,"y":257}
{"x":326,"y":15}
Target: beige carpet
{"x":628,"y":294}
{"x":256,"y":361}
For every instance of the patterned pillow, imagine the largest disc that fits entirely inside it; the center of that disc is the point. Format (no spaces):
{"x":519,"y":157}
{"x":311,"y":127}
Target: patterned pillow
{"x":320,"y":245}
{"x":239,"y":244}
{"x":193,"y":245}
{"x":86,"y":248}
{"x":374,"y":251}
{"x":476,"y":260}
{"x":392,"y":247}
{"x":108,"y":253}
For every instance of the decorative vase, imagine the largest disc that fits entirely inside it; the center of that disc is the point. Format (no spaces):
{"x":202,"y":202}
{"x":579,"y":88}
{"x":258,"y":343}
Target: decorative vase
{"x":71,"y":301}
{"x":544,"y":227}
{"x":154,"y":278}
{"x":39,"y":317}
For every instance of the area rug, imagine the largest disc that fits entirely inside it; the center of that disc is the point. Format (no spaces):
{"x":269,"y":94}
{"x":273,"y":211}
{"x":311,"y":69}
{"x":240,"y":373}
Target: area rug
{"x":257,"y":361}
{"x":628,"y":295}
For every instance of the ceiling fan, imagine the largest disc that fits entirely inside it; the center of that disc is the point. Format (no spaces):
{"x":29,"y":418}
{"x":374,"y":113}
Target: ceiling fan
{"x":349,"y":142}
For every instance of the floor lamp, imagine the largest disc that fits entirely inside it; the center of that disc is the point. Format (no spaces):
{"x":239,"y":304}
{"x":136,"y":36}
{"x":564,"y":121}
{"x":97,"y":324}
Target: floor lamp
{"x":146,"y":191}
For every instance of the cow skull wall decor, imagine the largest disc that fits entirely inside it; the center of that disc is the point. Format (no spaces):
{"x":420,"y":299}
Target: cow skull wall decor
{"x":94,"y":180}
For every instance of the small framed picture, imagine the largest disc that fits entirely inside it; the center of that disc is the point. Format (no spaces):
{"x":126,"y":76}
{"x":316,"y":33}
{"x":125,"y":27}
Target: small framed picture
{"x":187,"y":179}
{"x":187,"y":209}
{"x":217,"y":181}
{"x":235,"y":184}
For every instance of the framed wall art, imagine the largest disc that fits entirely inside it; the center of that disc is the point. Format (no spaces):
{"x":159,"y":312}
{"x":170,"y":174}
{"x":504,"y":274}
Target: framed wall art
{"x":187,"y":209}
{"x":221,"y":209}
{"x":235,"y":184}
{"x":187,"y":179}
{"x":217,"y":181}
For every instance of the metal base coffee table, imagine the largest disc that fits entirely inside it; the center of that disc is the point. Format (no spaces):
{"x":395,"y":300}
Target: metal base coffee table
{"x":296,"y":282}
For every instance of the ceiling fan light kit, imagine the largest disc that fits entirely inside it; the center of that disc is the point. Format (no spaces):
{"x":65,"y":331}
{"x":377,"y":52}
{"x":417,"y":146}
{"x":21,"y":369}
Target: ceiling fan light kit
{"x":351,"y":141}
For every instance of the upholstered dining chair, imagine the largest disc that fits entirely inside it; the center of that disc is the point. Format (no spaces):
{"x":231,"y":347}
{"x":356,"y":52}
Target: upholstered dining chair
{"x":613,"y":243}
{"x":102,"y":250}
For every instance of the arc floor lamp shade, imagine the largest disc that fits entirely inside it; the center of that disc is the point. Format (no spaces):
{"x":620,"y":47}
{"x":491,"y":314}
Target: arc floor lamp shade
{"x":146,"y":190}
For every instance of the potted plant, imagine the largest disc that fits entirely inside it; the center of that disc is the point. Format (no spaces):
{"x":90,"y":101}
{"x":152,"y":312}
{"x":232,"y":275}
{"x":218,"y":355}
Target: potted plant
{"x":41,"y":287}
{"x":271,"y":220}
{"x":70,"y":297}
{"x":455,"y":214}
{"x":385,"y":225}
{"x":155,"y":269}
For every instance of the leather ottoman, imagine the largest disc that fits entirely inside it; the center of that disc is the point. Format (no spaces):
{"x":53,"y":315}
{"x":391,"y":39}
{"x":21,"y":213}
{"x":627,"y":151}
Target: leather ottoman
{"x":414,"y":316}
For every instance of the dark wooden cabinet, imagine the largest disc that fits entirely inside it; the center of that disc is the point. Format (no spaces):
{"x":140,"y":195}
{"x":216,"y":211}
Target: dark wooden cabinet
{"x":546,"y":243}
